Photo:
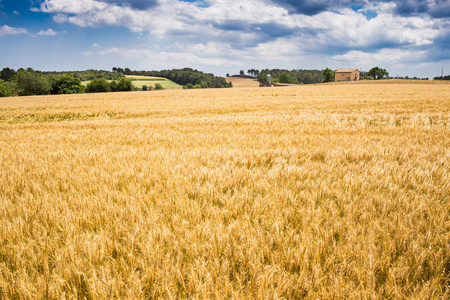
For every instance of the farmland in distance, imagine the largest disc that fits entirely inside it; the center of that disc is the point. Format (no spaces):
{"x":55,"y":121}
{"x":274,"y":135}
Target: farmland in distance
{"x":150,"y":81}
{"x":313,"y":191}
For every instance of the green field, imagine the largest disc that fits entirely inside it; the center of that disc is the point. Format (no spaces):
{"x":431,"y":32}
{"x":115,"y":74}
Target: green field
{"x":139,"y":81}
{"x":149,"y":81}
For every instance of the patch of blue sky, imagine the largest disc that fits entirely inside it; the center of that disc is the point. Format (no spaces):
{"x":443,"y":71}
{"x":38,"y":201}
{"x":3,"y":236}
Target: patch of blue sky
{"x":335,"y":11}
{"x":356,"y":7}
{"x":200,"y":3}
{"x":369,"y":14}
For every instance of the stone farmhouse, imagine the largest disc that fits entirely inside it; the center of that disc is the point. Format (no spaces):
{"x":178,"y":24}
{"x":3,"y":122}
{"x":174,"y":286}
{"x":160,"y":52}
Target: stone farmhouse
{"x":346,"y":75}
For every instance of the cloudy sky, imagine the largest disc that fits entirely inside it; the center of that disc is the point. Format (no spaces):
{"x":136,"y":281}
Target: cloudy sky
{"x":407,"y":37}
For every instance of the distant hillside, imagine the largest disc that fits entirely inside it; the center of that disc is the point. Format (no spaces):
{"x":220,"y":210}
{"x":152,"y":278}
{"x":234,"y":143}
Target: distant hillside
{"x":150,"y":81}
{"x":242,"y":82}
{"x":184,"y":77}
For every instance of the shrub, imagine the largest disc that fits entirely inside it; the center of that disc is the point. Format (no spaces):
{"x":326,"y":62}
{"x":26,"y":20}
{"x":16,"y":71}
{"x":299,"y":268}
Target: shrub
{"x":124,"y":85}
{"x":113,"y":86}
{"x":144,"y":87}
{"x":66,"y":84}
{"x":158,"y":86}
{"x":98,"y":85}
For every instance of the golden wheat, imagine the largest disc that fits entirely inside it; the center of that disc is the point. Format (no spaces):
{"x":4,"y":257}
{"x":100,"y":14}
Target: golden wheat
{"x":323,"y":191}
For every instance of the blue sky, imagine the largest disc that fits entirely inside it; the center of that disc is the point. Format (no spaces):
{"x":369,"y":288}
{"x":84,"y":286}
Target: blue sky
{"x":407,"y":37}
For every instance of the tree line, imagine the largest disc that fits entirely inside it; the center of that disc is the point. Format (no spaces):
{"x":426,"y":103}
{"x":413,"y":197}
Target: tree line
{"x":28,"y":82}
{"x":88,"y":75}
{"x":187,"y":77}
{"x":296,"y":76}
{"x":446,"y":77}
{"x":300,"y":76}
{"x":309,"y":76}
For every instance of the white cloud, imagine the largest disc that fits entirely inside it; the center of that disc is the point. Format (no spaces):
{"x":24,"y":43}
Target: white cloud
{"x":72,"y":6}
{"x":165,"y":59}
{"x":228,"y":32}
{"x":49,"y":32}
{"x":286,"y":48}
{"x":382,"y":56}
{"x":6,"y":30}
{"x":241,"y":20}
{"x":60,"y":18}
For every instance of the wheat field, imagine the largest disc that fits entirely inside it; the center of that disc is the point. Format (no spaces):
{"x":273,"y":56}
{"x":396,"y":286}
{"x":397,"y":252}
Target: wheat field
{"x":330,"y":191}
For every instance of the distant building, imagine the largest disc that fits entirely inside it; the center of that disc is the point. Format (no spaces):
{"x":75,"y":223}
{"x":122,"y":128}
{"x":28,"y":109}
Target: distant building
{"x":346,"y":75}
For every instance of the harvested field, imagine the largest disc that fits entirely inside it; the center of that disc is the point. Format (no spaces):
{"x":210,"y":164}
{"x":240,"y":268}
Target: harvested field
{"x":321,"y":191}
{"x":239,"y":82}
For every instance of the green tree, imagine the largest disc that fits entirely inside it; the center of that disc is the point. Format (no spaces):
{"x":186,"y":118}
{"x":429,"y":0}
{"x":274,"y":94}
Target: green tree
{"x":286,"y":78}
{"x":5,"y":90}
{"x":144,"y":87}
{"x":66,"y":84}
{"x":113,"y":86}
{"x":309,"y":78}
{"x":98,"y":85}
{"x":7,"y":74}
{"x":253,"y":72}
{"x":262,"y":77}
{"x":328,"y":75}
{"x":378,"y":73}
{"x":30,"y":82}
{"x":124,"y":85}
{"x":158,"y":86}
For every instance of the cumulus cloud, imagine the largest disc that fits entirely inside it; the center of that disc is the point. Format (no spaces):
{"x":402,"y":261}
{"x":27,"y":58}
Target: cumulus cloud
{"x":6,"y":30}
{"x":410,"y":7}
{"x":72,"y":7}
{"x":434,"y":8}
{"x":136,"y":4}
{"x":167,"y":59}
{"x":381,"y":57}
{"x":313,"y":7}
{"x":224,"y":32}
{"x":49,"y":32}
{"x":439,"y":9}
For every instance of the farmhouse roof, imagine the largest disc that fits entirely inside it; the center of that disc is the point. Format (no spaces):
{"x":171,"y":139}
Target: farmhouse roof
{"x":345,"y":70}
